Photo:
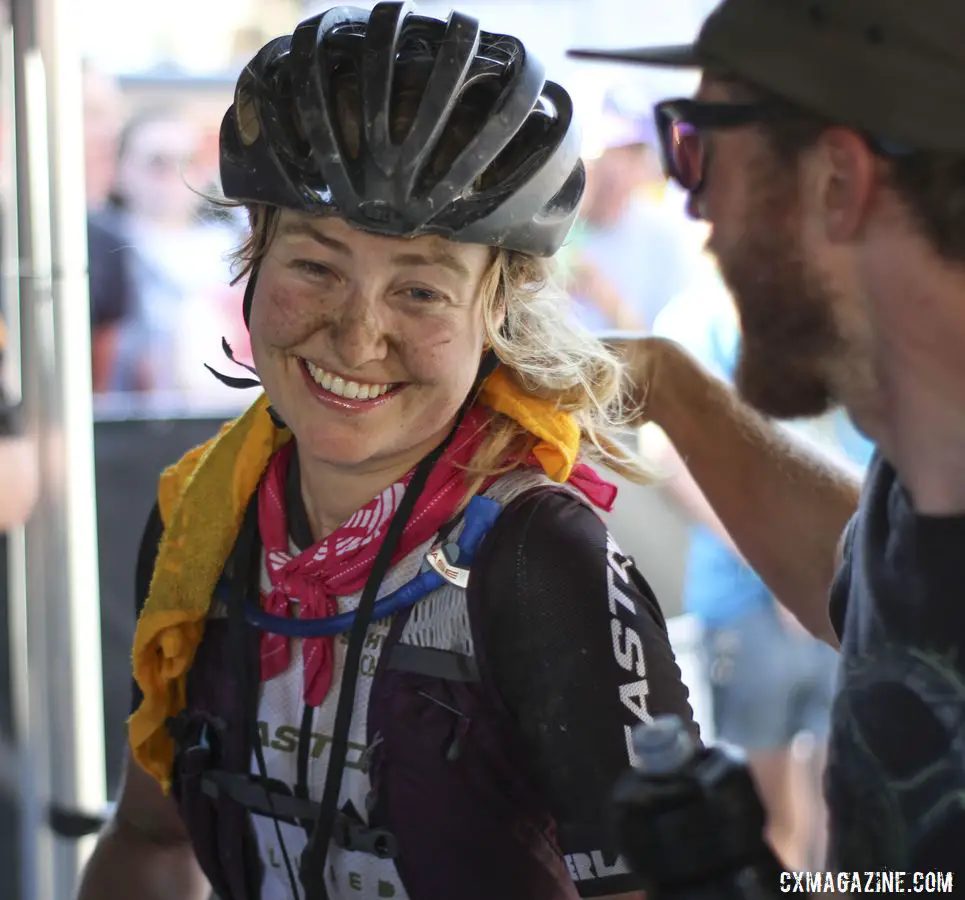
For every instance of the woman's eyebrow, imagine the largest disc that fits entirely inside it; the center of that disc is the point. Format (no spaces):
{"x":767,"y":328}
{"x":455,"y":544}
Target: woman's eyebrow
{"x":306,"y":229}
{"x":440,"y":258}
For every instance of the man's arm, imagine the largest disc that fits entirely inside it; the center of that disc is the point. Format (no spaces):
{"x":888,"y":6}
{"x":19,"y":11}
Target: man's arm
{"x":682,"y":489}
{"x":783,"y":506}
{"x":145,"y":851}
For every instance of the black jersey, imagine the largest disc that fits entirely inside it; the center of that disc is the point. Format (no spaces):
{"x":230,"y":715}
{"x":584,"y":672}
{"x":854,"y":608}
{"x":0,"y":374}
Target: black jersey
{"x":576,"y":646}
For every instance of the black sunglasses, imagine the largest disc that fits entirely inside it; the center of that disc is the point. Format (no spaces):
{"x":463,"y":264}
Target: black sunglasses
{"x":684,"y":151}
{"x":679,"y":127}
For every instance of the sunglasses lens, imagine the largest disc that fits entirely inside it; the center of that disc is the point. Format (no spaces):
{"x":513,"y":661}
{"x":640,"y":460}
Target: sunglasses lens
{"x":686,"y":151}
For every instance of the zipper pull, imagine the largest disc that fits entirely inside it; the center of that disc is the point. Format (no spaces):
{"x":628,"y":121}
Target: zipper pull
{"x":455,"y":748}
{"x":454,"y":751}
{"x":365,"y":760}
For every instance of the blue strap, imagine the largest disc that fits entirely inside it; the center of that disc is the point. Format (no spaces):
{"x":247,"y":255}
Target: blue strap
{"x":480,"y":515}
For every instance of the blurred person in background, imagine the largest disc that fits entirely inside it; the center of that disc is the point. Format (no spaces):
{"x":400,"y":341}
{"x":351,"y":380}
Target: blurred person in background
{"x":110,"y":275}
{"x":18,"y":461}
{"x":771,"y":682}
{"x":179,"y":261}
{"x":632,"y":248}
{"x":19,"y":471}
{"x":19,"y":487}
{"x":103,"y":119}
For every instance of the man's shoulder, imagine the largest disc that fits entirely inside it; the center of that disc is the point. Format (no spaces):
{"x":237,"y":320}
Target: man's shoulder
{"x":899,"y":569}
{"x":902,"y":673}
{"x":877,"y":481}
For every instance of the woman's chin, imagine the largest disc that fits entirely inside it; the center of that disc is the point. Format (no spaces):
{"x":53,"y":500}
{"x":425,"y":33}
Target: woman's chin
{"x":330,"y":451}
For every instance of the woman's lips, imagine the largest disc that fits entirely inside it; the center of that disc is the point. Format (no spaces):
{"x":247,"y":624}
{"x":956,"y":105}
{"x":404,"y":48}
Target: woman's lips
{"x":338,"y":400}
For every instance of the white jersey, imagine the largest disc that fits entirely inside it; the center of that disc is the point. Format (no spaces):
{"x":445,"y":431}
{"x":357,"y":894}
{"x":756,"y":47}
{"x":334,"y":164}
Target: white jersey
{"x":348,"y":874}
{"x":440,"y":621}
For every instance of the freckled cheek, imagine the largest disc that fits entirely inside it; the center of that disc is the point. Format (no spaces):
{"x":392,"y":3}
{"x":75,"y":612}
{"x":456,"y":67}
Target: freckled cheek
{"x":452,"y":360}
{"x":286,"y":317}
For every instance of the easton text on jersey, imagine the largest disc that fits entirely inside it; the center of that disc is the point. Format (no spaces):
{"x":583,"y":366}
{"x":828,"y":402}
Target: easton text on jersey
{"x":594,"y":865}
{"x":285,"y":740}
{"x":627,"y":645}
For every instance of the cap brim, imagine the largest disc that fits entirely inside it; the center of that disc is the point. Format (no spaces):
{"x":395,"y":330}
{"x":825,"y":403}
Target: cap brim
{"x":681,"y":56}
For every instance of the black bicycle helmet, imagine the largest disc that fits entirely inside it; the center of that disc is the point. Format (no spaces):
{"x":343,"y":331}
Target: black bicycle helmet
{"x":490,"y":154}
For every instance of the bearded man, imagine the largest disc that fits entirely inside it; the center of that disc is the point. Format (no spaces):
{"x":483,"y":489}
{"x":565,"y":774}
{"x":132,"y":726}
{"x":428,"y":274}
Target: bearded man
{"x":825,"y":148}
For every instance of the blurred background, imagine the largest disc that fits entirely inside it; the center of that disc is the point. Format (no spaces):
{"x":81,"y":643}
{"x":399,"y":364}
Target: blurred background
{"x":133,"y":103}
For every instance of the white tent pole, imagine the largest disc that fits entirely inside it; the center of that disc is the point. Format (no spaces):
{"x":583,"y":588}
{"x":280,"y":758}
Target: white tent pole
{"x":58,"y":603}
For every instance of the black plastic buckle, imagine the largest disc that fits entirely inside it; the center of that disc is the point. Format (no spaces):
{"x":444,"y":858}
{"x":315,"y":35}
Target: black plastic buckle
{"x":350,"y":834}
{"x":177,"y":727}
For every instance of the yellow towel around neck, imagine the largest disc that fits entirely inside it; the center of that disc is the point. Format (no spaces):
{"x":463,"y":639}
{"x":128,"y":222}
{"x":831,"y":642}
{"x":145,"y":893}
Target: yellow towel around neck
{"x":558,"y":433}
{"x":202,"y":499}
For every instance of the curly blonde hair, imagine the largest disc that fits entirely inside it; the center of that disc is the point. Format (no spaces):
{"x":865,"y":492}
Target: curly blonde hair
{"x":546,"y":352}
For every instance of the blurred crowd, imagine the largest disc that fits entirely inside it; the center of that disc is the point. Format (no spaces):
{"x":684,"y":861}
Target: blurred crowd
{"x":161,"y":296}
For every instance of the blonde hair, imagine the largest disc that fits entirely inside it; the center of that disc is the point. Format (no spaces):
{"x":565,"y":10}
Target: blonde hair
{"x":546,"y":352}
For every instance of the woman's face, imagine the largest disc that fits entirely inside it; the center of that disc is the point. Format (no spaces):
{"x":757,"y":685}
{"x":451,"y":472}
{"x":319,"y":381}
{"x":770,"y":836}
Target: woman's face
{"x":156,"y":170}
{"x":366,"y":345}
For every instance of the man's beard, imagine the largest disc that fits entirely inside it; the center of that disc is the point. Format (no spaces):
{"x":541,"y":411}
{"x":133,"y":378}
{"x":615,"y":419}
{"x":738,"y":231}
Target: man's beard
{"x":786,"y":308}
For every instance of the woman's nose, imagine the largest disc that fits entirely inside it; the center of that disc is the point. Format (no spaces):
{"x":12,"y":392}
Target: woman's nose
{"x":359,"y":335}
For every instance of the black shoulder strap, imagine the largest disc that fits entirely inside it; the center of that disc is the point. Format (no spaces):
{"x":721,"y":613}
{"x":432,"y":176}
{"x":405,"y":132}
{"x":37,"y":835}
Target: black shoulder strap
{"x":242,"y":574}
{"x":505,"y":524}
{"x":312,"y":865}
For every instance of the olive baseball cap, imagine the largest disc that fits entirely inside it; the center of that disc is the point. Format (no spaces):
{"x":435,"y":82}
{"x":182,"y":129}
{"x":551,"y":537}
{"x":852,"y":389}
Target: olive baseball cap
{"x":892,"y":68}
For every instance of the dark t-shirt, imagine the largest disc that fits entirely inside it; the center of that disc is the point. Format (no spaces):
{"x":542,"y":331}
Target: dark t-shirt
{"x":578,"y":648}
{"x":111,"y":284}
{"x":896,"y":768}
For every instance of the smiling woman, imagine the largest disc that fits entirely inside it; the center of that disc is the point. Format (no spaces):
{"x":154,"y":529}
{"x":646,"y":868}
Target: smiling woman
{"x":406,"y":321}
{"x":416,"y":478}
{"x":338,"y":312}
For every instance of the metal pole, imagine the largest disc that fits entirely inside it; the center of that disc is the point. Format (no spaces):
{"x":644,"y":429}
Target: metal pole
{"x":59,"y":599}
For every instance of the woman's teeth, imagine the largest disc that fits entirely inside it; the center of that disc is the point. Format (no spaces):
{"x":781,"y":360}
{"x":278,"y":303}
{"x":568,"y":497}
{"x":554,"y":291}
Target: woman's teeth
{"x":351,"y":390}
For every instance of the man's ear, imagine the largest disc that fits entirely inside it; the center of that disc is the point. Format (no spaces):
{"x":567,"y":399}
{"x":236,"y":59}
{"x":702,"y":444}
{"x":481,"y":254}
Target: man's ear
{"x":841,"y":181}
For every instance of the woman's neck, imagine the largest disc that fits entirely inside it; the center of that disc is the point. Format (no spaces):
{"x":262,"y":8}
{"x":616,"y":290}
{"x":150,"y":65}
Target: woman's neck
{"x":332,"y":494}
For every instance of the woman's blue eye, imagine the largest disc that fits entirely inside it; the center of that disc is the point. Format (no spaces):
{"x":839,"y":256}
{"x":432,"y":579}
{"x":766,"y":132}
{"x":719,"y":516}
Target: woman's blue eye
{"x":424,"y":294}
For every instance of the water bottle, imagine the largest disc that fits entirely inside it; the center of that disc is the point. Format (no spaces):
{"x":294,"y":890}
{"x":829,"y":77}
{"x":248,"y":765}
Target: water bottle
{"x":689,"y":820}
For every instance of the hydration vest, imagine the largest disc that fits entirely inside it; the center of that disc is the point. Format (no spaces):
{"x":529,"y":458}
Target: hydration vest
{"x":451,"y":800}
